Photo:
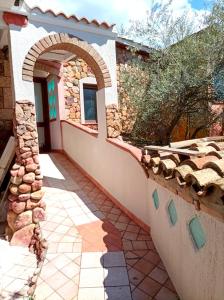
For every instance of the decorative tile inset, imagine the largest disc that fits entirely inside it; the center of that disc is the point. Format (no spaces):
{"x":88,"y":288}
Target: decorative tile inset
{"x":197,"y":233}
{"x":172,"y":212}
{"x":155,"y":199}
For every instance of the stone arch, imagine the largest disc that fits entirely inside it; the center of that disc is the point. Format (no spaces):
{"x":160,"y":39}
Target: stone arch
{"x":62,"y":41}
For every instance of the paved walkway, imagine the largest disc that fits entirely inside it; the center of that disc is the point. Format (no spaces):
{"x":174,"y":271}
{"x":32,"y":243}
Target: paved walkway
{"x":96,"y":252}
{"x":17,"y":265}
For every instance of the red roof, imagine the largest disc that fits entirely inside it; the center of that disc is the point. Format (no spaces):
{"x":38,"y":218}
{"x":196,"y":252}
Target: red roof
{"x":202,"y":175}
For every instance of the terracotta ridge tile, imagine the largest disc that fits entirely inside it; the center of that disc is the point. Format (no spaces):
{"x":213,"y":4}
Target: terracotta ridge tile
{"x":102,"y":24}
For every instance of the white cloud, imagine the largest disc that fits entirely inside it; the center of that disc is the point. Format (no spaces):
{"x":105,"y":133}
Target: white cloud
{"x":65,"y":6}
{"x":118,"y":11}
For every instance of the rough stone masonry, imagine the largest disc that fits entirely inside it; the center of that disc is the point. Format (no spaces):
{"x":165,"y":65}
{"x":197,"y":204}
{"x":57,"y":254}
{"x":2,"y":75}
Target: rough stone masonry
{"x":26,"y":207}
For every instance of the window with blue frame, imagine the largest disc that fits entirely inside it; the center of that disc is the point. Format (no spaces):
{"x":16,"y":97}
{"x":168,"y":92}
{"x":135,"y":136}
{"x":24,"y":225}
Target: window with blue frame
{"x":52,"y":99}
{"x":89,"y":99}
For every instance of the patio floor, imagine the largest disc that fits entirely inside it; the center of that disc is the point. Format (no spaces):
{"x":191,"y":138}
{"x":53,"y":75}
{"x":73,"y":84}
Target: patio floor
{"x":96,"y":252}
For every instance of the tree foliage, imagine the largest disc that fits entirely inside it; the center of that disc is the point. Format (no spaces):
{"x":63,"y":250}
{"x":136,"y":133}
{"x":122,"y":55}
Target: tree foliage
{"x":182,"y":74}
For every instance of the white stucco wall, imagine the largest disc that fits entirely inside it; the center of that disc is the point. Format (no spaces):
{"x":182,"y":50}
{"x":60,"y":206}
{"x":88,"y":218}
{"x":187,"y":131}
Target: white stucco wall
{"x":117,"y":171}
{"x":196,"y":274}
{"x":22,"y":39}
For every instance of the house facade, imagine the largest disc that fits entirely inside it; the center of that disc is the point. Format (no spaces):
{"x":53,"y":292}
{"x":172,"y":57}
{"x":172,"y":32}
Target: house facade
{"x":59,"y":86}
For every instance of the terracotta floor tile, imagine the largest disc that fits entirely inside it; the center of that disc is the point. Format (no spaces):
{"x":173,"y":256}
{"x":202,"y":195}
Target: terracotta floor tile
{"x":159,"y":275}
{"x":124,"y":219}
{"x":68,"y":291}
{"x":91,"y":278}
{"x":116,"y":211}
{"x":131,"y":236}
{"x":120,"y":292}
{"x":114,"y":259}
{"x":130,"y":254}
{"x":91,"y":294}
{"x":161,"y":265}
{"x":135,"y":276}
{"x":65,"y":247}
{"x":151,"y":245}
{"x":127,"y":245}
{"x":166,"y":294}
{"x":140,"y":295}
{"x":47,"y":271}
{"x":144,"y":266}
{"x":131,"y":261}
{"x":43,"y":291}
{"x":153,"y":257}
{"x":150,"y":286}
{"x":92,"y":260}
{"x":115,"y":276}
{"x":140,"y":253}
{"x":57,"y":280}
{"x":144,"y":237}
{"x":121,"y":226}
{"x":83,"y":222}
{"x":60,"y":261}
{"x":133,"y":228}
{"x":170,"y":285}
{"x":70,"y":270}
{"x":139,"y":245}
{"x":112,"y":217}
{"x":54,"y":296}
{"x":52,"y":247}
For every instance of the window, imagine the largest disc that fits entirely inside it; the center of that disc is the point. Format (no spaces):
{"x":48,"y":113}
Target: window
{"x":89,"y":97}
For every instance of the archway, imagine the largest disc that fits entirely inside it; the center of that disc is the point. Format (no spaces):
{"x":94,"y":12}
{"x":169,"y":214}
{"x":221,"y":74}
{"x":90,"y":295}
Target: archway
{"x":63,"y":41}
{"x":70,"y":44}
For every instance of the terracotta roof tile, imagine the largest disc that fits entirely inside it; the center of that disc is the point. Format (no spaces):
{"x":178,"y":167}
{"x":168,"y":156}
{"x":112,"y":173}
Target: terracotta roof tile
{"x":198,"y":163}
{"x":84,"y":20}
{"x":202,"y":175}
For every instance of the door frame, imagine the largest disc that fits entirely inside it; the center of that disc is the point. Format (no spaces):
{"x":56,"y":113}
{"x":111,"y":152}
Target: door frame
{"x":46,"y":122}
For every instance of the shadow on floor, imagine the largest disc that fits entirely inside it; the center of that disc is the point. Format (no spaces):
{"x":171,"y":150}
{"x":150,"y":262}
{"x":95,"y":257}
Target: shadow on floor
{"x":132,"y":268}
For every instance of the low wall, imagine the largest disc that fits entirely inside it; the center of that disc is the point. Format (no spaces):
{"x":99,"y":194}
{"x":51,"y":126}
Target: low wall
{"x":112,"y":168}
{"x":196,"y":273}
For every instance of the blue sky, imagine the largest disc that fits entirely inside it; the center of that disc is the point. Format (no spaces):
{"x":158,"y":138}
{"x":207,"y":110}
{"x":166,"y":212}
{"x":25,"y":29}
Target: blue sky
{"x":113,"y":11}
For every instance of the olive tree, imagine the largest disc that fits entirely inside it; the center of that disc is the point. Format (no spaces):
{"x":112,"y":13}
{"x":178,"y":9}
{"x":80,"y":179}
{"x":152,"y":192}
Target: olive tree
{"x":182,"y":76}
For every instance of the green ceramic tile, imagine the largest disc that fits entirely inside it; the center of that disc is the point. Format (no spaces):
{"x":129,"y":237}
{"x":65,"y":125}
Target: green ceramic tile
{"x":197,"y":233}
{"x":155,"y":198}
{"x":172,"y":212}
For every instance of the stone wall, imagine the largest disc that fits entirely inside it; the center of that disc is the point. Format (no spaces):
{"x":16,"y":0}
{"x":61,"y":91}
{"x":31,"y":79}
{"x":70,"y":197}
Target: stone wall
{"x":73,"y":71}
{"x":126,"y":110}
{"x":6,"y":100}
{"x":26,"y":207}
{"x":113,"y":121}
{"x":77,"y":69}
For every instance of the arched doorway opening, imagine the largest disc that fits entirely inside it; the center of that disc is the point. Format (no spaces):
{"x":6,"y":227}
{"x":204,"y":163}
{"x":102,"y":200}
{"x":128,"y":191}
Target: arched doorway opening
{"x":43,"y":65}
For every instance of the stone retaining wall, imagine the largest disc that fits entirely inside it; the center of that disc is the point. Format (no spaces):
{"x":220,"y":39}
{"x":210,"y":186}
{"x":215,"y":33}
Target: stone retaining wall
{"x":6,"y":101}
{"x":26,"y":207}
